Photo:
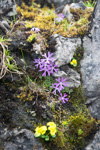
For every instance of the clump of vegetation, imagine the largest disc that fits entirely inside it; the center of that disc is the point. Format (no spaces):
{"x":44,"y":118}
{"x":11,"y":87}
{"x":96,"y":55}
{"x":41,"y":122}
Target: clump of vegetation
{"x":8,"y":64}
{"x":46,"y":19}
{"x":78,"y":128}
{"x":90,"y":3}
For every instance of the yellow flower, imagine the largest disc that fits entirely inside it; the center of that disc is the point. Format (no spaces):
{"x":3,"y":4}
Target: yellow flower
{"x":74,"y":62}
{"x":53,"y":130}
{"x":64,"y":122}
{"x":51,"y":124}
{"x":43,"y":130}
{"x":38,"y":131}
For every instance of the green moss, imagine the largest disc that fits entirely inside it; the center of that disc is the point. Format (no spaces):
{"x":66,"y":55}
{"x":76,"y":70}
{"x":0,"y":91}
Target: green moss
{"x":80,"y":122}
{"x":44,"y":19}
{"x":58,"y":143}
{"x":77,"y":96}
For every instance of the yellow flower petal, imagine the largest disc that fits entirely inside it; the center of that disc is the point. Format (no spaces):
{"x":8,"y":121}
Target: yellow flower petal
{"x":38,"y":131}
{"x":43,"y":130}
{"x":51,"y":124}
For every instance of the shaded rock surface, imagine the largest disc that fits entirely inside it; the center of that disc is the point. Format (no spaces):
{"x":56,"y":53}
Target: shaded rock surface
{"x":8,"y":8}
{"x":90,"y":66}
{"x":19,"y":140}
{"x":57,"y":3}
{"x":95,"y":144}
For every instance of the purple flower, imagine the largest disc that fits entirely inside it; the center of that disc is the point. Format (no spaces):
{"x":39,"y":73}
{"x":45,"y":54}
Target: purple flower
{"x":46,"y":68}
{"x":47,"y":64}
{"x":53,"y":68}
{"x":55,"y":86}
{"x":35,"y":29}
{"x":38,"y":63}
{"x":48,"y":59}
{"x":60,"y":17}
{"x":63,"y":98}
{"x":61,"y":82}
{"x":60,"y":85}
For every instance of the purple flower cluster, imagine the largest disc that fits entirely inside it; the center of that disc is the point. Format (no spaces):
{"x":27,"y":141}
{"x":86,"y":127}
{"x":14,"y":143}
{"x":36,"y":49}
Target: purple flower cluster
{"x":60,"y":17}
{"x":59,"y":86}
{"x":47,"y":64}
{"x":35,"y":29}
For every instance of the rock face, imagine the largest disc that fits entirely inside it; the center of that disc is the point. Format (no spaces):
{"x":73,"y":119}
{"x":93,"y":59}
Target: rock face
{"x":8,"y":7}
{"x":19,"y":140}
{"x":57,"y":3}
{"x":8,"y":10}
{"x":64,"y":52}
{"x":95,"y":145}
{"x":90,"y":66}
{"x":65,"y":49}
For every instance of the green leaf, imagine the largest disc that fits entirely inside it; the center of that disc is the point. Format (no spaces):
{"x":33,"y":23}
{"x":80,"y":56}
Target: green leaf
{"x":46,"y":138}
{"x":54,"y":136}
{"x":43,"y":136}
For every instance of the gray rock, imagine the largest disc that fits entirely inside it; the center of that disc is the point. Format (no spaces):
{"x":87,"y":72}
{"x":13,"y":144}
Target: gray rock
{"x":78,"y":5}
{"x":66,"y":12}
{"x":90,"y":66}
{"x":5,"y":23}
{"x":65,"y":49}
{"x":20,"y":140}
{"x":8,"y":8}
{"x":95,"y":144}
{"x":57,"y":3}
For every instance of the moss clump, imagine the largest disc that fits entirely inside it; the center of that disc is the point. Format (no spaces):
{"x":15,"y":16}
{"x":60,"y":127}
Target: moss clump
{"x":44,"y":19}
{"x":79,"y":13}
{"x":77,"y":123}
{"x":58,"y":143}
{"x":78,"y":100}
